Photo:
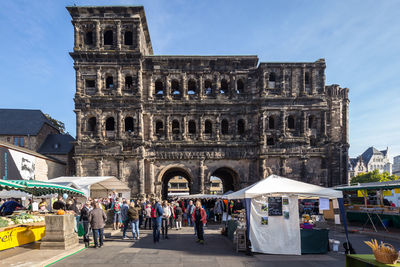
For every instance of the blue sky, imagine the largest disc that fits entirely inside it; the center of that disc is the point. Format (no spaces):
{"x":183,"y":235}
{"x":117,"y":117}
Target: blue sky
{"x":360,"y":41}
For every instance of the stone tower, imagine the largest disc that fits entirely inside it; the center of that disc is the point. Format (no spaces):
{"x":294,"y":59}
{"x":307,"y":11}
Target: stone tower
{"x":146,"y":119}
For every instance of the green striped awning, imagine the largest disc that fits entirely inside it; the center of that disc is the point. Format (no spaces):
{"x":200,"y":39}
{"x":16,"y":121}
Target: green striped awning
{"x":7,"y":185}
{"x":40,"y":188}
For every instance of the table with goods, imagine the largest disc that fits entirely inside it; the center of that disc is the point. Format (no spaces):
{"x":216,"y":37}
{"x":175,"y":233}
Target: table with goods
{"x":384,"y":254}
{"x":314,"y":239}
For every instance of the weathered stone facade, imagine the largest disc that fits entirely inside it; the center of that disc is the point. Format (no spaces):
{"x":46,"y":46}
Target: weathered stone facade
{"x":146,"y":118}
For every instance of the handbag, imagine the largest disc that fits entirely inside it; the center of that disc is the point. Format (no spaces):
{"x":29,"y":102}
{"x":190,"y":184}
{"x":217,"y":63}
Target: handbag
{"x":81,"y":231}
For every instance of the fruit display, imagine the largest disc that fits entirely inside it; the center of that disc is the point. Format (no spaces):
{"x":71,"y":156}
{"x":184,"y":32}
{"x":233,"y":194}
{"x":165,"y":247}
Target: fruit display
{"x":60,"y":212}
{"x":26,"y":218}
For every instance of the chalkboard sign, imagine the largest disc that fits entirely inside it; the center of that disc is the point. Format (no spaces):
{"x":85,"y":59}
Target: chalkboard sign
{"x":274,"y":206}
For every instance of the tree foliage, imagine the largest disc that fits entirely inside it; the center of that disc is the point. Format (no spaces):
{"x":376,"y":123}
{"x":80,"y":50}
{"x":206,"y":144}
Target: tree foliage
{"x":373,"y":176}
{"x":58,"y":124}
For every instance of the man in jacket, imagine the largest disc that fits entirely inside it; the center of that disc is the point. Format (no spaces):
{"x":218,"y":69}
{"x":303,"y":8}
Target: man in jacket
{"x":97,"y":220}
{"x":156,"y":216}
{"x":124,"y":217}
{"x":133,"y":215}
{"x":200,"y":219}
{"x":189,"y":211}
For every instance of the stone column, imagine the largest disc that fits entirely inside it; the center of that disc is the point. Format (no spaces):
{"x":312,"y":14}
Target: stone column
{"x":120,"y":168}
{"x":141,"y":177}
{"x":119,"y":39}
{"x":201,"y":87}
{"x":99,"y":126}
{"x":184,"y":87}
{"x":120,"y":82}
{"x":99,"y":166}
{"x":264,"y":128}
{"x":151,"y":87}
{"x":185,"y":128}
{"x":76,"y":36}
{"x":201,"y":175}
{"x":98,"y":33}
{"x":168,"y":128}
{"x":151,"y":127}
{"x":293,"y":87}
{"x":264,"y":169}
{"x":303,"y":123}
{"x":218,"y":127}
{"x":119,"y":124}
{"x":140,"y":85}
{"x":314,"y":78}
{"x":141,"y":125}
{"x":78,"y":166}
{"x":152,"y":178}
{"x":78,"y":123}
{"x":201,"y":129}
{"x":99,"y":81}
{"x":78,"y":82}
{"x":168,"y":88}
{"x":283,"y":122}
{"x":283,"y":165}
{"x":303,"y":84}
{"x":323,"y":122}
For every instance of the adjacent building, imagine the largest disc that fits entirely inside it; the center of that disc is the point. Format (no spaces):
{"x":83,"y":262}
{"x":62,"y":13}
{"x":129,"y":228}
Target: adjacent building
{"x":148,"y":118}
{"x":396,"y":165}
{"x":372,"y":159}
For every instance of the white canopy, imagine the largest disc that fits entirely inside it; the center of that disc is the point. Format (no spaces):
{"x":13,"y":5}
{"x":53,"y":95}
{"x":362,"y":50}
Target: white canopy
{"x":275,"y":184}
{"x":201,"y":196}
{"x":109,"y":183}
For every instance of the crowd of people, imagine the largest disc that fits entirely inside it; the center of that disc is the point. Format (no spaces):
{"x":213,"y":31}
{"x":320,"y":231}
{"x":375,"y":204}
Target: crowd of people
{"x":160,"y":217}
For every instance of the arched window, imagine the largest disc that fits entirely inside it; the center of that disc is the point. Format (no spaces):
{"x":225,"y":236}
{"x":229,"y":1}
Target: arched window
{"x":272,"y":80}
{"x":307,"y":82}
{"x":159,"y":127}
{"x":207,"y":127}
{"x":89,"y":38}
{"x":291,"y":122}
{"x":208,"y":87}
{"x":270,"y":141}
{"x":175,"y":127}
{"x":110,"y":124}
{"x":128,"y":82}
{"x":159,"y":88}
{"x":224,"y":87}
{"x":108,"y":37}
{"x":240,"y":86}
{"x":224,"y":127}
{"x":175,"y":89}
{"x":311,"y":122}
{"x":240,"y":127}
{"x":128,"y":38}
{"x":192,"y":127}
{"x":91,"y":125}
{"x":128,"y":124}
{"x":192,"y":87}
{"x":109,"y":82}
{"x":271,"y":122}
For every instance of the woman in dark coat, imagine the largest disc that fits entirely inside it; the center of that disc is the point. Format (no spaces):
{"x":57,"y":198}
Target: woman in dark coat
{"x":84,"y":219}
{"x":178,"y":216}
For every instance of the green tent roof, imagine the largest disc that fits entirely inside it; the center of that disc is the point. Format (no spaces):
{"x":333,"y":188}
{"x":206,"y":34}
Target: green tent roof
{"x":8,"y":185}
{"x":371,"y":186}
{"x":39,"y":188}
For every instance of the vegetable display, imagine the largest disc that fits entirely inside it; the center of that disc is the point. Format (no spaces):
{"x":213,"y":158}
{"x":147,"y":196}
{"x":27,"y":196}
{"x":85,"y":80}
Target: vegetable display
{"x":26,"y":218}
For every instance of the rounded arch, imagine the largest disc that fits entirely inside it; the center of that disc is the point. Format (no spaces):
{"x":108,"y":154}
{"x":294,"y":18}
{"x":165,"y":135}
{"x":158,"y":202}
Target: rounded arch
{"x":171,"y":171}
{"x":229,"y":177}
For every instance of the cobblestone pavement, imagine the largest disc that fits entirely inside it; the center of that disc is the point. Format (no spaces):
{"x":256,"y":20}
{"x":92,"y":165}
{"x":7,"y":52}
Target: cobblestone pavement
{"x":182,"y":250}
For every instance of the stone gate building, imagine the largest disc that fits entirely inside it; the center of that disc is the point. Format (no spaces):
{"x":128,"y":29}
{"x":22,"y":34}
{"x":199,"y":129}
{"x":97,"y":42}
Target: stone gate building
{"x":146,"y":118}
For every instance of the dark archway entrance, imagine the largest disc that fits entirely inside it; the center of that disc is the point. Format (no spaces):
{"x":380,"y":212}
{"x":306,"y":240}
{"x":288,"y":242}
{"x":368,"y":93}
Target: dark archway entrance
{"x":230,"y":179}
{"x":175,"y":174}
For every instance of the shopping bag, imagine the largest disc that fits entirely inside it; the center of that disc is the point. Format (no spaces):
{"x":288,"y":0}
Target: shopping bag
{"x":81,"y":231}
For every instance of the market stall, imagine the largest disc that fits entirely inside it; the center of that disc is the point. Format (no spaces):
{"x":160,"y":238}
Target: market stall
{"x":23,"y":227}
{"x":378,"y":214}
{"x":272,"y":214}
{"x":95,"y":186}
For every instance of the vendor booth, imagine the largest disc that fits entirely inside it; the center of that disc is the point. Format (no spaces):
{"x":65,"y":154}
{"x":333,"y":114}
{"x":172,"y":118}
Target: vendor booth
{"x":272,"y":215}
{"x":96,"y":186}
{"x":23,"y":227}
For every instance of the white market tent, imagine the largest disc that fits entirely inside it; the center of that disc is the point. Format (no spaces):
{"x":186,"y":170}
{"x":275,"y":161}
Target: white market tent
{"x":95,"y":185}
{"x":201,"y":196}
{"x":277,"y":234}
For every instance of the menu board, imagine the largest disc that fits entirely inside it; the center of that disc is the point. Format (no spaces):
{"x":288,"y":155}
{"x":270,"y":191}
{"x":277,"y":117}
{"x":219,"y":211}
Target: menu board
{"x":274,"y":206}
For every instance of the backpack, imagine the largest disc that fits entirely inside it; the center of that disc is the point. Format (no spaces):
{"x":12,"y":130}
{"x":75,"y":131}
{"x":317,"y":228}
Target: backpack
{"x":154,"y":211}
{"x":116,"y":207}
{"x":133,"y":214}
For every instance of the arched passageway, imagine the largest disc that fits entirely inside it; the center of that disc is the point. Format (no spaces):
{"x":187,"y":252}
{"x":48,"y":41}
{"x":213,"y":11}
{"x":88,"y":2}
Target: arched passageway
{"x":175,"y":181}
{"x":230,"y":179}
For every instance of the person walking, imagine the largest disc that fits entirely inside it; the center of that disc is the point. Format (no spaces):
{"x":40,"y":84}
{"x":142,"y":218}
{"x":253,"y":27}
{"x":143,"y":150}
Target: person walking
{"x":172,"y":216}
{"x":125,"y":218}
{"x":189,"y":211}
{"x":147,"y":214}
{"x":84,"y":219}
{"x":156,"y":215}
{"x":200,"y":219}
{"x":178,"y":217}
{"x":165,"y":219}
{"x":116,"y":207}
{"x":133,"y":215}
{"x":97,"y":220}
{"x":218,"y":210}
